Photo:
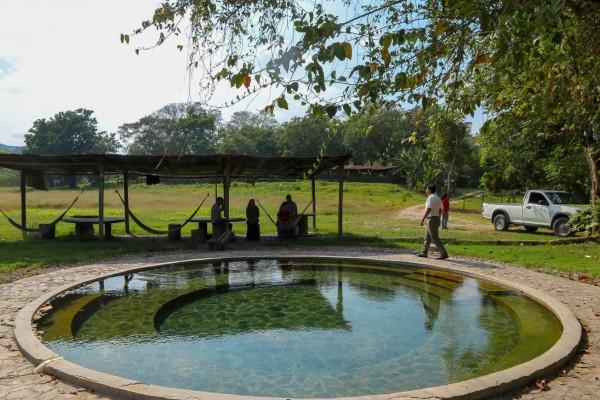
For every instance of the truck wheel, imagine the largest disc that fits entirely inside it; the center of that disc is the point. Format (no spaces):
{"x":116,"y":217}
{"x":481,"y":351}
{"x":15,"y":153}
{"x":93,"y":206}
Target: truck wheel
{"x":500,"y":222}
{"x":561,"y":227}
{"x":530,"y":228}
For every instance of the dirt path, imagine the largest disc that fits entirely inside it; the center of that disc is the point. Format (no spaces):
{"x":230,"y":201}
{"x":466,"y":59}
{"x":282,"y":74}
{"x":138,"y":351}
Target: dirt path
{"x":457,"y":220}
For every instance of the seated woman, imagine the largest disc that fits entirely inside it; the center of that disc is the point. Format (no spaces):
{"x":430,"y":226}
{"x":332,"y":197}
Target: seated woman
{"x":252,"y":216}
{"x":284,"y":223}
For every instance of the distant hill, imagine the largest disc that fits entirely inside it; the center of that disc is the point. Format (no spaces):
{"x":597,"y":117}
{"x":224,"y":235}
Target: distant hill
{"x":5,"y":148}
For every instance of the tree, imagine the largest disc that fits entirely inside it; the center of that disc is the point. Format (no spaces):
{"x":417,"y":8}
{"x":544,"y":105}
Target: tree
{"x":547,"y":90}
{"x":175,"y":129}
{"x":375,"y":139}
{"x":249,"y":134}
{"x":508,"y":149}
{"x":447,"y":134}
{"x":308,"y":137}
{"x":69,"y":132}
{"x":505,"y":56}
{"x":409,"y":164}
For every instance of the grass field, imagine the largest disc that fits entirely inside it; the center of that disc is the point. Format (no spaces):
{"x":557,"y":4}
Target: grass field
{"x":374,"y":214}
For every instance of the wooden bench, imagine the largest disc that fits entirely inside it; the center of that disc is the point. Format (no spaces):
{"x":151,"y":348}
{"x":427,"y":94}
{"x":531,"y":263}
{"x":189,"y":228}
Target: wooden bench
{"x":84,"y":224}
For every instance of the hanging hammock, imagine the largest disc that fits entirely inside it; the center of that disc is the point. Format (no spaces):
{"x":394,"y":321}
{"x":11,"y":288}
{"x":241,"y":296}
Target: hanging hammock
{"x":155,"y":231}
{"x":46,"y":226}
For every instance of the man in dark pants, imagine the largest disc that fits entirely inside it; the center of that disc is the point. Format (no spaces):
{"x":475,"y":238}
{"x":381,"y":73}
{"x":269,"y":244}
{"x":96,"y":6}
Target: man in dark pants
{"x":432,"y":215}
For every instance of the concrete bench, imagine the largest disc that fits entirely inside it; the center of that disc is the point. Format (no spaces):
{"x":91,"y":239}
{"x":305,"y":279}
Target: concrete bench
{"x":84,"y":224}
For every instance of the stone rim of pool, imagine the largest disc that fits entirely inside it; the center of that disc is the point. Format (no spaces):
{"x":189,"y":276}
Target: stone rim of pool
{"x":495,"y":383}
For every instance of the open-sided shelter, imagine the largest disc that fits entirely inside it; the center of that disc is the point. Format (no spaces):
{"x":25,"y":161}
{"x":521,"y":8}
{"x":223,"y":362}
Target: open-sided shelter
{"x":34,"y":169}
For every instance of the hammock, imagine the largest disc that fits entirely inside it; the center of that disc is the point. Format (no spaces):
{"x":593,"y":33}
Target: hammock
{"x":296,"y":220}
{"x":43,"y":228}
{"x":299,"y":216}
{"x":155,"y":231}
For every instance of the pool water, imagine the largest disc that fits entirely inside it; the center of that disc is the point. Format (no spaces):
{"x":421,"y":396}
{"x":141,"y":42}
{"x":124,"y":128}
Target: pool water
{"x":302,"y":328}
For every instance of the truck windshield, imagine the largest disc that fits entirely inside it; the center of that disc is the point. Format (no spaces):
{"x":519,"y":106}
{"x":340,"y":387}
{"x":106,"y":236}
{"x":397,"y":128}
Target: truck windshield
{"x":562,"y":198}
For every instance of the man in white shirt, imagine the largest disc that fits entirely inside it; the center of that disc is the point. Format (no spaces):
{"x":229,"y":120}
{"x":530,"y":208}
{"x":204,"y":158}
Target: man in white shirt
{"x":432,"y":215}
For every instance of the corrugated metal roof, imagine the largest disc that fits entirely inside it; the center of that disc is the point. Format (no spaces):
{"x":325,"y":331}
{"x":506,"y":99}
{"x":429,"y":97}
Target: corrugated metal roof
{"x":173,"y":166}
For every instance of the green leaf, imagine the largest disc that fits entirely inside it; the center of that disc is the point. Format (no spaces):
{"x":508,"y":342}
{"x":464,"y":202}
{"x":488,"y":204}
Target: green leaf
{"x":331,"y":110}
{"x":386,"y":41}
{"x":282,"y":103}
{"x":347,"y":109}
{"x":339,"y":51}
{"x":401,"y":80}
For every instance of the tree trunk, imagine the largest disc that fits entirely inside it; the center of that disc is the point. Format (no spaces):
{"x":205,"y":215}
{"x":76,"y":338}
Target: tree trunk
{"x":593,"y":159}
{"x":451,"y":168}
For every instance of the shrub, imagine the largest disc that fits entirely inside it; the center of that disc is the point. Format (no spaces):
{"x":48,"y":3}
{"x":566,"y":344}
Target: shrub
{"x":587,"y":220}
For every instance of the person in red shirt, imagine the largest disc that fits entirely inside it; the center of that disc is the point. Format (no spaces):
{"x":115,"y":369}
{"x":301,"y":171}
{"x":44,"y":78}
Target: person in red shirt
{"x":284,"y":221}
{"x":445,"y":208}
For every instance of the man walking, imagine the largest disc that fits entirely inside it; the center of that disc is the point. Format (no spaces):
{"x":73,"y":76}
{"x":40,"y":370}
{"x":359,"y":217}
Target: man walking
{"x":432,"y":215}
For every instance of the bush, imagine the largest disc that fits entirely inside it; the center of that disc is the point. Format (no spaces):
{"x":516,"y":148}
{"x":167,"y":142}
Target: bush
{"x":587,"y":220}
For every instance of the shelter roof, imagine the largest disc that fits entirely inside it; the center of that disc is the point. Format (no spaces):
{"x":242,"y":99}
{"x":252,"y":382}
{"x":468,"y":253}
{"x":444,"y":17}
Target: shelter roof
{"x":172,"y":166}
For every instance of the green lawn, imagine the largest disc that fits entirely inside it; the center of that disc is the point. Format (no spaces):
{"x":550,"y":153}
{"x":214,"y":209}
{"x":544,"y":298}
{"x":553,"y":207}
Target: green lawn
{"x":375,"y":214}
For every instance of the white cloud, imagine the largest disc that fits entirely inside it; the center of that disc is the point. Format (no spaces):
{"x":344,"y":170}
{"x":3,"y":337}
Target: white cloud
{"x":60,"y":55}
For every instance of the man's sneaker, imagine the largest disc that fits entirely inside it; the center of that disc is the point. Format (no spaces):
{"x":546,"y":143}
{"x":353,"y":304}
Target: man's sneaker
{"x":421,"y":255}
{"x":442,"y":257}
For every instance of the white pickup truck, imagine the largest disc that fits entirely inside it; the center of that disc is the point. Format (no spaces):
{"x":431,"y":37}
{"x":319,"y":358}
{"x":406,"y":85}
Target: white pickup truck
{"x":541,"y":208}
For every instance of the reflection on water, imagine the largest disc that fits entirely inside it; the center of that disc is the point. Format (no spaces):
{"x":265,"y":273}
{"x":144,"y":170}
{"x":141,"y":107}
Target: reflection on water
{"x":296,"y":328}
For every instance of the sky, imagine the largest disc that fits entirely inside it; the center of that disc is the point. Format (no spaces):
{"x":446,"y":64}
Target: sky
{"x":61,"y":55}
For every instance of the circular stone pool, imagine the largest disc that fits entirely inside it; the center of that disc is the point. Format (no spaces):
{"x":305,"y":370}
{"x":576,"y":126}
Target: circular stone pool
{"x":296,"y":327}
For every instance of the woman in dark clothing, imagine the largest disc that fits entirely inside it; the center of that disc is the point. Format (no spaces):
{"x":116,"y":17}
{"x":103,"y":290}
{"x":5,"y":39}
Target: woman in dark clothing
{"x":252,"y":216}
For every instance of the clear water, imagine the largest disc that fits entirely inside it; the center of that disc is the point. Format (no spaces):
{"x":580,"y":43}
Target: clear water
{"x":297,"y":328}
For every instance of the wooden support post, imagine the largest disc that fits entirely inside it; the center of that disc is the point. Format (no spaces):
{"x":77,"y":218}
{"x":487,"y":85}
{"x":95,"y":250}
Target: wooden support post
{"x":23,"y":203}
{"x":101,"y":203}
{"x":341,"y":197}
{"x":226,"y":190}
{"x":126,"y":200}
{"x":314,"y":201}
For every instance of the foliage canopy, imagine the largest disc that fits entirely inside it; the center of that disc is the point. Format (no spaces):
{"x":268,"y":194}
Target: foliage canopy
{"x":69,"y":132}
{"x":537,"y":59}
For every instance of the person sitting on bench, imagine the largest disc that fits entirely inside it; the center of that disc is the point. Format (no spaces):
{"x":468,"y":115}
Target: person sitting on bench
{"x":290,"y":205}
{"x":285,"y":225}
{"x":215,"y":214}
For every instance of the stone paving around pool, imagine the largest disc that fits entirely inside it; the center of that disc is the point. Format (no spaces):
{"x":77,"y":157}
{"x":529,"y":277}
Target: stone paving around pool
{"x":579,"y":379}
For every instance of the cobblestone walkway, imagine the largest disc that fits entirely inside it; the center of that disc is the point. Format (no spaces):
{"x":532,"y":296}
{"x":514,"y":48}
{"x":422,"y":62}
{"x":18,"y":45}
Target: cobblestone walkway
{"x":579,"y":380}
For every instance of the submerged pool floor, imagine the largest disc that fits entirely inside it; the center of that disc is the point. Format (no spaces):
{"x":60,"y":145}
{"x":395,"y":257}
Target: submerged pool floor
{"x":297,"y":328}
